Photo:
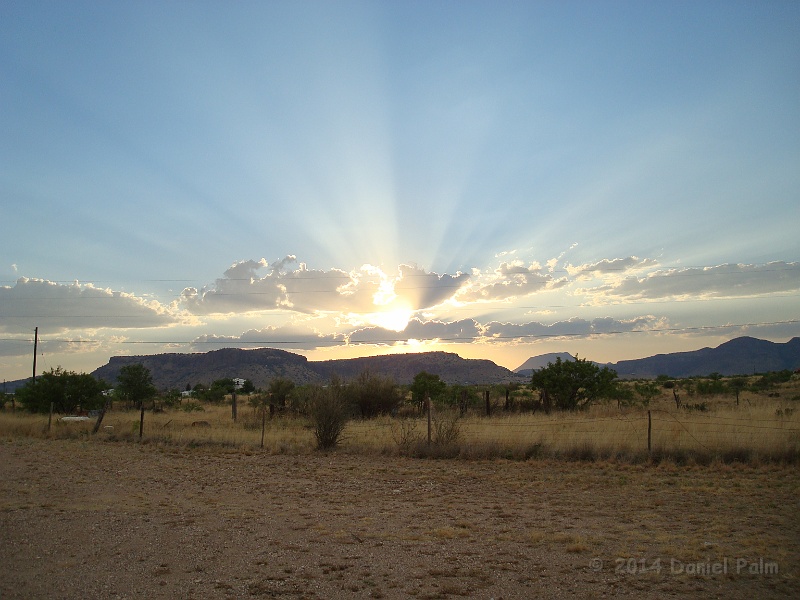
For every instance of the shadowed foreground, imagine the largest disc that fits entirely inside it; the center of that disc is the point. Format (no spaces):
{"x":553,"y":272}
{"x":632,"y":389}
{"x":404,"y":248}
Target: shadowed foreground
{"x":108,"y":520}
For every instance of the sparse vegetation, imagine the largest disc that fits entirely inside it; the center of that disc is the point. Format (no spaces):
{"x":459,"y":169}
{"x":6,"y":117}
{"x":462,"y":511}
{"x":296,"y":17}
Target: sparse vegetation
{"x":714,"y":429}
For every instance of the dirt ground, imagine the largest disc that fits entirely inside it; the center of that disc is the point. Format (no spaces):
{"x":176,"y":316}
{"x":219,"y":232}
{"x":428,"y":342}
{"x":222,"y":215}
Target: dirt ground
{"x":92,"y":519}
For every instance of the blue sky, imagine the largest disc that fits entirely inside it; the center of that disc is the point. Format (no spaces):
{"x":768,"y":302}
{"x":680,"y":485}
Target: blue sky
{"x":500,"y":180}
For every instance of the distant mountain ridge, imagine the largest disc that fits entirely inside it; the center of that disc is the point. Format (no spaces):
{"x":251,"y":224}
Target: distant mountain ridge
{"x":739,"y":356}
{"x":264,"y":364}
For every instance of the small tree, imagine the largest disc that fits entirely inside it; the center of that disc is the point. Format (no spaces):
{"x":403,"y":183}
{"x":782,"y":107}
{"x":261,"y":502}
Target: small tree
{"x":737,"y":384}
{"x":622,"y":393}
{"x":135,"y":384}
{"x":646,"y":390}
{"x":573,"y":384}
{"x":248,"y":387}
{"x":280,"y":388}
{"x":427,"y":384}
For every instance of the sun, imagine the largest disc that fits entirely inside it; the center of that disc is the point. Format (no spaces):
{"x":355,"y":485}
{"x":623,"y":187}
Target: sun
{"x":395,"y":319}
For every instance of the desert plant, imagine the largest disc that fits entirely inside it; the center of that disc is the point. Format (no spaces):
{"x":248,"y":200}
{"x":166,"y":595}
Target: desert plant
{"x":572,"y":384}
{"x":405,"y":434}
{"x":374,"y":395}
{"x":135,"y":384}
{"x":446,"y":429}
{"x":329,"y":412}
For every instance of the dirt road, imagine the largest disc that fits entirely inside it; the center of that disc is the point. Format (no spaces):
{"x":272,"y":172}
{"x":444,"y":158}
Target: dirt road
{"x":121,"y":520}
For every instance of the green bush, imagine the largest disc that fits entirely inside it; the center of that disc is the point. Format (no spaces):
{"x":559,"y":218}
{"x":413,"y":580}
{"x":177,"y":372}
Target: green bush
{"x":374,"y":395}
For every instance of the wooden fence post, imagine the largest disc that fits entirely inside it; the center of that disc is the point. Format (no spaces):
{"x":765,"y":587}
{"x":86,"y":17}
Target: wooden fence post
{"x":141,"y":422}
{"x":100,"y":417}
{"x":649,"y":431}
{"x":428,"y":404}
{"x":263,"y":423}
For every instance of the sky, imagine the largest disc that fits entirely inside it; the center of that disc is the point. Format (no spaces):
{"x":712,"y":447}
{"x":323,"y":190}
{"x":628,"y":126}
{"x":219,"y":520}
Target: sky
{"x":500,"y":180}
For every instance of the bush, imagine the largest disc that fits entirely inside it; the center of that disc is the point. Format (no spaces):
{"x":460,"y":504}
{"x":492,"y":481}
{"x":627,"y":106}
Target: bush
{"x":329,"y":412}
{"x":446,"y":430}
{"x":374,"y":395}
{"x":405,"y":434}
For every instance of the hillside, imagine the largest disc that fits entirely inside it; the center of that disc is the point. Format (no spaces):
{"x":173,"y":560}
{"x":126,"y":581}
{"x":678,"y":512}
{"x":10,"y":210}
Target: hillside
{"x":264,"y":364}
{"x":403,"y":367}
{"x":534,"y":363}
{"x":740,"y":356}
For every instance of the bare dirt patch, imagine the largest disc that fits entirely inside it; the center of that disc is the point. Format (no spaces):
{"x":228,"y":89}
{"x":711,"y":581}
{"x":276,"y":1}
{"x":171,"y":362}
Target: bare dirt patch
{"x":91,"y":519}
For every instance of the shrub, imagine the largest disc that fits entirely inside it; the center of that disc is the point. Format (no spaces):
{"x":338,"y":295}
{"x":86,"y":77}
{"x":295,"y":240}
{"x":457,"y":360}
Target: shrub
{"x":329,"y":412}
{"x":446,"y":430}
{"x":374,"y":395}
{"x":405,"y":434}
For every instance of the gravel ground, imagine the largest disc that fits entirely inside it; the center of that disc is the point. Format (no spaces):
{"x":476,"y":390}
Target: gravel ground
{"x":98,"y":519}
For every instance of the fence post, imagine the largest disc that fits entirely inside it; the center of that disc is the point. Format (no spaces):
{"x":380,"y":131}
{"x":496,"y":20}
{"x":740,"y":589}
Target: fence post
{"x":428,"y":403}
{"x":233,"y":406}
{"x":649,"y":431}
{"x":488,"y":404}
{"x":50,"y":418}
{"x":263,"y":423}
{"x":141,"y":422}
{"x":100,"y":417}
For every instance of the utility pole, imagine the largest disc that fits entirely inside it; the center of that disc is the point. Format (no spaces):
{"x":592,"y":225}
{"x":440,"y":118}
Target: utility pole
{"x":35,"y":344}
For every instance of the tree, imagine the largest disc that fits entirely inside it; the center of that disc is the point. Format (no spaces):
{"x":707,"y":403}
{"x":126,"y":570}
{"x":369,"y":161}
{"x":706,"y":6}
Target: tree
{"x":248,"y":387}
{"x":216,"y":391}
{"x":66,"y":390}
{"x":737,"y":384}
{"x":280,"y":388}
{"x":135,"y":384}
{"x":427,"y":384}
{"x":573,"y":385}
{"x":647,"y":391}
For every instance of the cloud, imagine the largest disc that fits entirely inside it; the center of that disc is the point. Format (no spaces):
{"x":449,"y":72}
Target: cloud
{"x":295,"y":338}
{"x":422,"y":289}
{"x":466,"y":330}
{"x":570,"y":328}
{"x":770,"y":331}
{"x":615,"y":266}
{"x":723,"y":281}
{"x":510,"y":280}
{"x":303,"y":290}
{"x":55,"y":307}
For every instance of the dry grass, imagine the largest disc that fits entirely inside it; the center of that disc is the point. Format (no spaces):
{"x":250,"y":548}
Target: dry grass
{"x":759,"y":429}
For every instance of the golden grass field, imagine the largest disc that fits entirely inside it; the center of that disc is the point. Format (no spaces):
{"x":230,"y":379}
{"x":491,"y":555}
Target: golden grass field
{"x":758,"y":429}
{"x":557,"y":506}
